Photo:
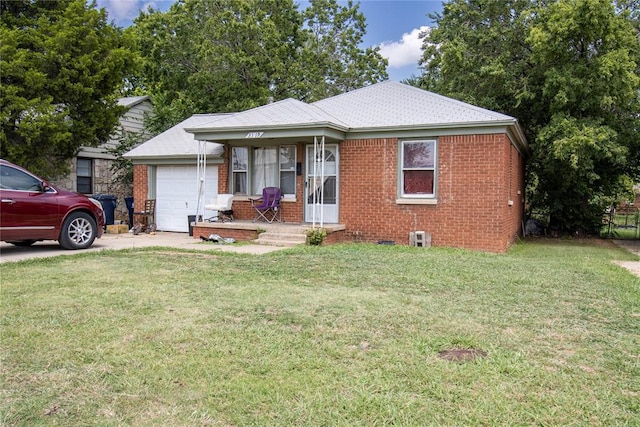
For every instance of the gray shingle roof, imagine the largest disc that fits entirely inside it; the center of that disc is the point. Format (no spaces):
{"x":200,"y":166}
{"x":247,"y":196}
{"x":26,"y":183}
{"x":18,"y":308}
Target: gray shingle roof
{"x":383,"y":105}
{"x":386,"y":106}
{"x":282,"y":114}
{"x":391,"y":104}
{"x":175,"y":142}
{"x":130,"y":101}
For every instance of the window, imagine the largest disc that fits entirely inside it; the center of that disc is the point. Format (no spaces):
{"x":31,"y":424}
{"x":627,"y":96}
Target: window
{"x":418,"y":168}
{"x":239,"y":167}
{"x":84,"y":175}
{"x":13,"y":179}
{"x":288,"y":170}
{"x":264,"y":167}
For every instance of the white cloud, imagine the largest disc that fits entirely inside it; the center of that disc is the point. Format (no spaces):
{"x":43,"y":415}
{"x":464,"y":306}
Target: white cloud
{"x":149,"y":5}
{"x":123,"y":12}
{"x":406,"y":51}
{"x":120,"y":10}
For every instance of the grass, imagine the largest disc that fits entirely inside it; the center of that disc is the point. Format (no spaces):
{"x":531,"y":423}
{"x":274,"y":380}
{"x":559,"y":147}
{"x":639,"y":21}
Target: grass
{"x":625,"y":227}
{"x":621,"y":233}
{"x":338,"y":335}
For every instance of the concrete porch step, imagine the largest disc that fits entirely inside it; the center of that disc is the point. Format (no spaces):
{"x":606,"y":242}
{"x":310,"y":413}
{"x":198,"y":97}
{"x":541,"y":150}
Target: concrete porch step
{"x":276,"y":238}
{"x":280,"y":228}
{"x":292,"y":237}
{"x":276,"y":234}
{"x":279,"y":243}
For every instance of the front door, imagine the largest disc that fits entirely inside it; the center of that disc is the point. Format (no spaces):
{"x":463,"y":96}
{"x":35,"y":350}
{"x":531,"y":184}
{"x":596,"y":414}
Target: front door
{"x":321,"y":184}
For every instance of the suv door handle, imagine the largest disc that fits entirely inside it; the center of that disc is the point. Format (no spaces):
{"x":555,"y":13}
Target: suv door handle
{"x":10,"y":201}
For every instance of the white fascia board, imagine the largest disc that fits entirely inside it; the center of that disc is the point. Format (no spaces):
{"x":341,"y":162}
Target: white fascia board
{"x":406,"y":131}
{"x":509,"y":127}
{"x":257,"y":133}
{"x":174,"y":160}
{"x":95,"y":153}
{"x":453,"y":125}
{"x":519,"y":140}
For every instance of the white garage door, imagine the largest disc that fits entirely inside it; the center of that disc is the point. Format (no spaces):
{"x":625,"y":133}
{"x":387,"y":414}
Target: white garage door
{"x":177,"y":195}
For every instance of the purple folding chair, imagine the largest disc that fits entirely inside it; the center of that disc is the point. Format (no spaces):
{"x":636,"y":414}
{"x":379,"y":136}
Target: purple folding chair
{"x":268,"y":206}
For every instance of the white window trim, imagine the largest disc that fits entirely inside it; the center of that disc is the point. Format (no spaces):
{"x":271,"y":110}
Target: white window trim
{"x":293,"y":169}
{"x":91,"y":175}
{"x":417,"y":199}
{"x":249,"y":172}
{"x":414,"y":201}
{"x":234,"y":171}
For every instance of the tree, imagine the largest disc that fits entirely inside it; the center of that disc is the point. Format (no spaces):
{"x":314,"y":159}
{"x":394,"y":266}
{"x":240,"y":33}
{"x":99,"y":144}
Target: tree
{"x":478,"y":53}
{"x":204,"y":56}
{"x":568,"y":70}
{"x":332,"y":62}
{"x":61,"y":66}
{"x":587,"y":65}
{"x":121,"y":167}
{"x":216,"y":55}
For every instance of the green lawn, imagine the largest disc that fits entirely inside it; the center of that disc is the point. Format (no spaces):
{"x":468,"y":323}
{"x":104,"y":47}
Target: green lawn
{"x":620,"y":233}
{"x":625,"y":227}
{"x":341,"y":335}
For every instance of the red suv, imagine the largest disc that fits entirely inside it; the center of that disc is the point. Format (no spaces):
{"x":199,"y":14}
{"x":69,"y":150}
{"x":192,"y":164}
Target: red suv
{"x":31,"y":210}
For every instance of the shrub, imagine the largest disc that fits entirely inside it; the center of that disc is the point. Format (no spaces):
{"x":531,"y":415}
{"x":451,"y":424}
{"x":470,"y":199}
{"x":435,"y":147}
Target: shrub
{"x":316,"y":236}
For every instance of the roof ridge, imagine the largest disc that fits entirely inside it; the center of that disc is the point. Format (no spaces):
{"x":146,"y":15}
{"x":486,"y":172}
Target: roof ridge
{"x":337,"y":121}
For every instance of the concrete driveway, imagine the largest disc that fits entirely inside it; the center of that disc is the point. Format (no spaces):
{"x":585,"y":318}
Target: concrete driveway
{"x":632,"y":246}
{"x":45,"y":249}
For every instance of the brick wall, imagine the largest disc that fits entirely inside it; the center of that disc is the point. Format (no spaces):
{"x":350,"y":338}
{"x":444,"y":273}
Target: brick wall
{"x":478,"y":175}
{"x":292,"y":211}
{"x":239,"y":235}
{"x":140,"y":186}
{"x":223,"y":172}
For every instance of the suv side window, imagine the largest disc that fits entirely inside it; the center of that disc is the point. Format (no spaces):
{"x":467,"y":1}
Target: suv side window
{"x":13,"y":179}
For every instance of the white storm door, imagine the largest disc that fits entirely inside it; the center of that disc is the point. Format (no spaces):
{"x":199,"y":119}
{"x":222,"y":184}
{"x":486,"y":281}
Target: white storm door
{"x":177,"y":190}
{"x":321,"y":184}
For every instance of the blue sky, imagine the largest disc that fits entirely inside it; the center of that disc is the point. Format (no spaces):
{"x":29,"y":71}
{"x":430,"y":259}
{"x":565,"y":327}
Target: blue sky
{"x":394,"y":25}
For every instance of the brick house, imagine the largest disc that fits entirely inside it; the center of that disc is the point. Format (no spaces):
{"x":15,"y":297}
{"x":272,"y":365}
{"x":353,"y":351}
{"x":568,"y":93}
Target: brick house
{"x":382,"y":161}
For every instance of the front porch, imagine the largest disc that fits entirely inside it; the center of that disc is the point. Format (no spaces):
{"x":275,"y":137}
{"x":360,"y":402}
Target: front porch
{"x":275,"y":234}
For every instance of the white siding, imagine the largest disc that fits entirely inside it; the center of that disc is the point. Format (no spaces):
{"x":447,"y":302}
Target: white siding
{"x":131,"y":121}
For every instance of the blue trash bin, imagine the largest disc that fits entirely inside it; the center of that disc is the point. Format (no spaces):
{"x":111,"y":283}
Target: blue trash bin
{"x":129,"y":202}
{"x":108,"y":203}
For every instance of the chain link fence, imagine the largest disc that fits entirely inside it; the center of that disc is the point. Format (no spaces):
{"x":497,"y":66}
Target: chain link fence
{"x":622,"y":222}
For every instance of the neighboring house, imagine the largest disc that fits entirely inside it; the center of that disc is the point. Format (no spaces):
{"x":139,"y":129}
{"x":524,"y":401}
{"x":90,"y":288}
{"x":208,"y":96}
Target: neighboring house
{"x":90,"y":169}
{"x":382,"y":161}
{"x":166,"y":169}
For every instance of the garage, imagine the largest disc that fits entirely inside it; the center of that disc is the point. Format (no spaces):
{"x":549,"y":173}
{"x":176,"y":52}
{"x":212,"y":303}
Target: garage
{"x":177,"y":195}
{"x":167,"y":167}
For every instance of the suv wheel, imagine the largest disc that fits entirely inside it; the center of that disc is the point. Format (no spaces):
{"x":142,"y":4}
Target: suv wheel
{"x":78,"y":231}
